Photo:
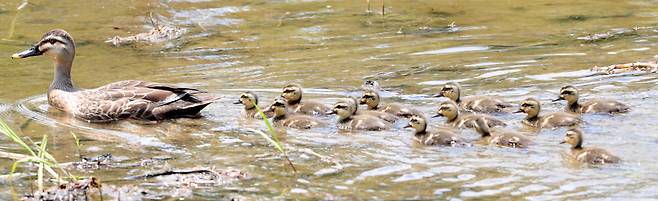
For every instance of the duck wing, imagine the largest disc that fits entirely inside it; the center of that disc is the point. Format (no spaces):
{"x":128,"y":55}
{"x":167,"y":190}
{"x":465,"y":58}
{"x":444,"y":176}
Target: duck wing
{"x":139,"y":100}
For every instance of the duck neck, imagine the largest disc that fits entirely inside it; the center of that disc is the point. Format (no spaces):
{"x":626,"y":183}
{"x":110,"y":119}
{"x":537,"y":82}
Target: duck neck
{"x":62,"y":78}
{"x":574,"y":106}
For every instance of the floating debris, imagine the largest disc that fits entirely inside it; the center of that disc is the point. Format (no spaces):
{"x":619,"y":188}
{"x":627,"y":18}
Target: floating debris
{"x":198,"y":177}
{"x":612,"y":34}
{"x":649,"y":67}
{"x":71,"y":191}
{"x":158,"y":35}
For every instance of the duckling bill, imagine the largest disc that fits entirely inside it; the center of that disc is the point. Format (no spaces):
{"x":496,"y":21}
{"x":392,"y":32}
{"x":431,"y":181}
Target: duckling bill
{"x":371,"y":99}
{"x":120,"y":100}
{"x":570,"y":94}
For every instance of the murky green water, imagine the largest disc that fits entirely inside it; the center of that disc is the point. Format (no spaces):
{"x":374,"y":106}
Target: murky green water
{"x":514,"y":49}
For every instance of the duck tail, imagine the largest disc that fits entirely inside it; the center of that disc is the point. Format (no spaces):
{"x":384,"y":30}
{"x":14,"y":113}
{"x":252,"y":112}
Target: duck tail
{"x":181,"y":108}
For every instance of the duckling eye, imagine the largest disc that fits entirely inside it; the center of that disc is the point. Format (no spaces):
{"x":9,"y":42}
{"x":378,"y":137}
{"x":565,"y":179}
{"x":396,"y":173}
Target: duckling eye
{"x":340,"y":107}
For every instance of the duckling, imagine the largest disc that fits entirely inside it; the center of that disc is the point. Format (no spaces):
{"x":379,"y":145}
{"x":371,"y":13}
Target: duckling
{"x":371,"y":99}
{"x":371,"y":85}
{"x":589,"y":155}
{"x":484,"y":104}
{"x":119,"y":100}
{"x":379,"y":114}
{"x":449,"y":110}
{"x":438,"y":137}
{"x":250,"y":102}
{"x":570,"y":94}
{"x":293,"y":94}
{"x":532,"y":107}
{"x":344,"y":111}
{"x":507,"y":139}
{"x":299,"y":121}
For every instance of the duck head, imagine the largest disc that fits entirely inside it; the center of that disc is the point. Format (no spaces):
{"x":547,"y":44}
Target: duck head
{"x":530,"y":106}
{"x":343,"y":109}
{"x":248,"y":99}
{"x":451,"y":90}
{"x":448,"y":109}
{"x":292,"y":93}
{"x":574,"y":137}
{"x":279,"y":107}
{"x":419,"y":123}
{"x":370,"y":98}
{"x":568,"y":93}
{"x":57,"y":44}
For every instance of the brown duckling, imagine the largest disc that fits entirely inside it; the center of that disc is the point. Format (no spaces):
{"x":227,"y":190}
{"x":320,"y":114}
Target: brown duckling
{"x":507,"y":139}
{"x":293,"y":94}
{"x":589,"y":155}
{"x":570,"y":94}
{"x":432,"y":138}
{"x":532,"y":107}
{"x":299,"y":121}
{"x":379,"y":114}
{"x":344,"y":110}
{"x":450,"y":111}
{"x":480,"y":104}
{"x":371,"y":99}
{"x":250,"y":102}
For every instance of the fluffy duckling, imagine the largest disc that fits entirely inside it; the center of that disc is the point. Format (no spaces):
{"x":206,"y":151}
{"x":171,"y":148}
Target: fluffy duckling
{"x":250,"y":102}
{"x":532,"y":107}
{"x":432,"y":138}
{"x":450,"y":111}
{"x":371,"y":99}
{"x":279,"y":107}
{"x":293,"y":94}
{"x":589,"y":155}
{"x":507,"y":139}
{"x":484,"y":104}
{"x":379,"y":114}
{"x":570,"y":94}
{"x":344,"y":111}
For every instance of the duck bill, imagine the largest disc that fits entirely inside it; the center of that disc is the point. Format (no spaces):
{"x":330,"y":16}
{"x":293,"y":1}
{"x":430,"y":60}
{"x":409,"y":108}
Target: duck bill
{"x":519,"y":111}
{"x":558,"y":99}
{"x":33,"y":51}
{"x":438,"y":95}
{"x":563,"y":142}
{"x":331,"y":112}
{"x":437,"y":115}
{"x":237,"y":102}
{"x":407,"y":126}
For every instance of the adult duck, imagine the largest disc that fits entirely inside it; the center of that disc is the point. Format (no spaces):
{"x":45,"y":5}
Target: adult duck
{"x":120,"y":100}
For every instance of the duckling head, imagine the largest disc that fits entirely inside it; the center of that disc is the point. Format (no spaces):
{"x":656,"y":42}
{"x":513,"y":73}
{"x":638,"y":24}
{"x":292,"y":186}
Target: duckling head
{"x":354,"y":104}
{"x":568,"y":93}
{"x":343,"y":109}
{"x":370,"y":85}
{"x":448,"y":109}
{"x":292,"y":93}
{"x":56,"y":44}
{"x":530,"y":106}
{"x":417,"y":122}
{"x":574,"y":137}
{"x":482,"y":127}
{"x":248,"y":99}
{"x":279,"y":107}
{"x":451,"y":90}
{"x":370,"y":98}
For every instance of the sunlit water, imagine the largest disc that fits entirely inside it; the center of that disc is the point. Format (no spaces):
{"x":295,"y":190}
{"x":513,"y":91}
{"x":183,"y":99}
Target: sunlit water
{"x":512,"y":49}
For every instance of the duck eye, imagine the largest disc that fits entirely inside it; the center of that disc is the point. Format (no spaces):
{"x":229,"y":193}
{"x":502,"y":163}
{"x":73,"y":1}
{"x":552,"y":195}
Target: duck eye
{"x":288,"y":91}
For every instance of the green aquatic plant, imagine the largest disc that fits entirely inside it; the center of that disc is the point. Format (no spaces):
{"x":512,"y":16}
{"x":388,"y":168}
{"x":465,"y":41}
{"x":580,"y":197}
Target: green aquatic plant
{"x":274,"y":140}
{"x":44,"y":160}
